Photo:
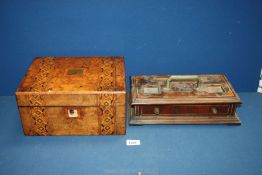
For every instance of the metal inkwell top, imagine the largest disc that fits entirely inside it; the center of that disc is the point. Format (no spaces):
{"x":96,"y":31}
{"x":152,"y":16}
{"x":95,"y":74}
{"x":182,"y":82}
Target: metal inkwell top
{"x":182,"y":87}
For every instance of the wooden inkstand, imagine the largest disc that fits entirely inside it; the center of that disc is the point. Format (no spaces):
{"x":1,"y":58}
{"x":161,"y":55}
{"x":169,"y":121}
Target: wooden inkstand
{"x":182,"y":99}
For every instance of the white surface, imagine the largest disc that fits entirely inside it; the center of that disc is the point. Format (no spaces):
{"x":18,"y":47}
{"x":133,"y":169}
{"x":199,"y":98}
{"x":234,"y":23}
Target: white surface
{"x":259,"y":89}
{"x":73,"y":115}
{"x":260,"y":83}
{"x":133,"y":142}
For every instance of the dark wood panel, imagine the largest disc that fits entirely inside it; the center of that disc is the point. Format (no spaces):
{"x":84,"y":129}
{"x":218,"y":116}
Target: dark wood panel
{"x":184,"y":109}
{"x":182,"y":119}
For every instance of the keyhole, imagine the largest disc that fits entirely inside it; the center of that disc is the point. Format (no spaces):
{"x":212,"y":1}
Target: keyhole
{"x":71,"y":111}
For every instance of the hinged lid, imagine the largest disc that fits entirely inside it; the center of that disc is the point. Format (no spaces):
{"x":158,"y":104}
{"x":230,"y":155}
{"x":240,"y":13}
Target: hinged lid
{"x":69,"y":81}
{"x":182,"y":89}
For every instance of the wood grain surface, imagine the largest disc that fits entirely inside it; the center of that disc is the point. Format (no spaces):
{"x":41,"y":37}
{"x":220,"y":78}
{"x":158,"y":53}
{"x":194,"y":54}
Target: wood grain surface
{"x":182,"y":99}
{"x":92,"y":87}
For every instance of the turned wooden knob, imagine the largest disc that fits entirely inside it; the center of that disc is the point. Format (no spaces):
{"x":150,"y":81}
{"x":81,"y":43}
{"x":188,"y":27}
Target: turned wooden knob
{"x":214,"y":110}
{"x":156,"y":111}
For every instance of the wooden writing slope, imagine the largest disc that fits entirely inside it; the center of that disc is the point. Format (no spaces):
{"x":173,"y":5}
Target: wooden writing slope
{"x":73,"y":96}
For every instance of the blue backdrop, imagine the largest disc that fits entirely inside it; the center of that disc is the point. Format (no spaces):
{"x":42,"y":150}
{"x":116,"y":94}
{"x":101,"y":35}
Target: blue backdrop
{"x":156,"y":37}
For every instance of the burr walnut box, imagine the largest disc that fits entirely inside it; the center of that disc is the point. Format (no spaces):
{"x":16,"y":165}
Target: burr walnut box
{"x":73,"y":96}
{"x":183,"y":99}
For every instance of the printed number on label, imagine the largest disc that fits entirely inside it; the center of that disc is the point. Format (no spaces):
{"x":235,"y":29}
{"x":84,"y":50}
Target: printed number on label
{"x":132,"y":142}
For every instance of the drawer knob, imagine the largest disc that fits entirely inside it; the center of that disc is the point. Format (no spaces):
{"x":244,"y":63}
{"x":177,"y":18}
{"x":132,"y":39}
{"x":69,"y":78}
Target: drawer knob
{"x":156,"y":111}
{"x":214,"y":110}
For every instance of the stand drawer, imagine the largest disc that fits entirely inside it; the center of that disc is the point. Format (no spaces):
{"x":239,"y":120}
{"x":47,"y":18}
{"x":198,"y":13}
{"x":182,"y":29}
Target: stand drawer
{"x":171,"y":110}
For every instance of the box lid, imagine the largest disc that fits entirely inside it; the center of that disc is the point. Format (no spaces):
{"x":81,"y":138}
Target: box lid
{"x":182,"y":89}
{"x":59,"y":79}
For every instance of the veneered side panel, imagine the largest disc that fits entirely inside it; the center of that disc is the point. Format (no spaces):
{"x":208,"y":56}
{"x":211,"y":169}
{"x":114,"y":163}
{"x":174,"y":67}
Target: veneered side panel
{"x":54,"y":121}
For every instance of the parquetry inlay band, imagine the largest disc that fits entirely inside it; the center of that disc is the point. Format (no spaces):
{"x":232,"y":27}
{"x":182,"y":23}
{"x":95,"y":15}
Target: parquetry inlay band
{"x":107,"y":101}
{"x":37,"y":102}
